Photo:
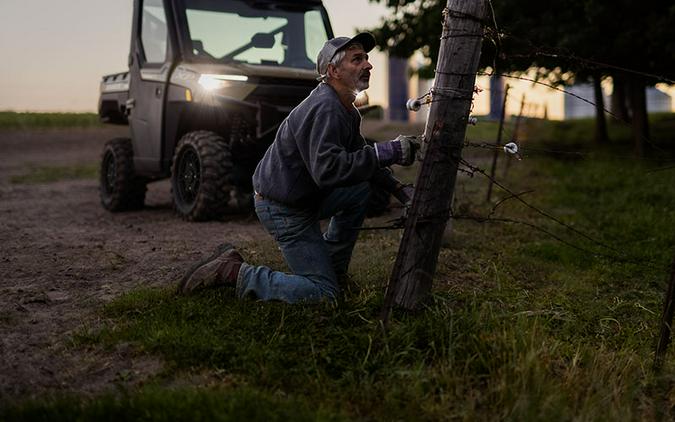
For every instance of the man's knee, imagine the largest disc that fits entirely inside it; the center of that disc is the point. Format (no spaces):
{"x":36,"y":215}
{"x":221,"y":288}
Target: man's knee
{"x":324,"y":289}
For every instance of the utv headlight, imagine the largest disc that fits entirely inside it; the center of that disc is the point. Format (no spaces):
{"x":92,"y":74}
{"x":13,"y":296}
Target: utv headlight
{"x":212,"y":82}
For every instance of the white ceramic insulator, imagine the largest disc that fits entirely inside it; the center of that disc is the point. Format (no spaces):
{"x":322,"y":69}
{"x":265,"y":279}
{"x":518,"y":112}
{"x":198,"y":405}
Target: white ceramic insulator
{"x":413,"y":104}
{"x":511,"y":148}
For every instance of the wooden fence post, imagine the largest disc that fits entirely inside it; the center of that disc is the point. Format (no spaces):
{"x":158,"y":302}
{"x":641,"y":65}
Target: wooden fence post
{"x":452,"y":94}
{"x":515,"y":135}
{"x":495,"y":154}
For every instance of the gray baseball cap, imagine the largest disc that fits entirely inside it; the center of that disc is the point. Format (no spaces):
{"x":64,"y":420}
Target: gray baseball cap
{"x":332,"y":46}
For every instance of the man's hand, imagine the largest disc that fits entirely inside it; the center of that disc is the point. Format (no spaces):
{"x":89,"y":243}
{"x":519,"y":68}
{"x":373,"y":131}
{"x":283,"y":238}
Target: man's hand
{"x":404,"y":194}
{"x":401,"y":150}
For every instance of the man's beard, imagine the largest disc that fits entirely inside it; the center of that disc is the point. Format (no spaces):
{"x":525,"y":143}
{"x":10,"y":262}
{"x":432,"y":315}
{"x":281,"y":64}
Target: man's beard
{"x":362,"y":84}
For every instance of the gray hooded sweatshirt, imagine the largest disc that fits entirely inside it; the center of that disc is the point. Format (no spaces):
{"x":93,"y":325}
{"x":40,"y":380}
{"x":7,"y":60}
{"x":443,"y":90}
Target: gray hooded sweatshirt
{"x":318,"y":147}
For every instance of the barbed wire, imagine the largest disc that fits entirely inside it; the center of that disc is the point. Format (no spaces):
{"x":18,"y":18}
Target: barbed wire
{"x":399,"y":223}
{"x":573,"y":57}
{"x":617,"y":256}
{"x":621,"y":259}
{"x":505,"y":199}
{"x":536,"y":209}
{"x":496,"y":40}
{"x":556,"y":88}
{"x":512,"y":195}
{"x":495,"y":35}
{"x":461,"y":35}
{"x":592,"y":103}
{"x":461,"y":15}
{"x":446,"y":94}
{"x":580,"y":154}
{"x":464,"y":166}
{"x":450,"y":93}
{"x":551,"y":86}
{"x":511,"y":134}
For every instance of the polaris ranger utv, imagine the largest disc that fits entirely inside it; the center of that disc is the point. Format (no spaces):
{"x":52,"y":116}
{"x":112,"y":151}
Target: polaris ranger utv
{"x":209,"y":82}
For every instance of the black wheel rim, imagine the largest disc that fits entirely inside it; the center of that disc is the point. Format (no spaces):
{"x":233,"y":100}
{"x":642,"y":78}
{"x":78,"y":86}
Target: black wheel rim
{"x":109,"y":173}
{"x":189,"y":175}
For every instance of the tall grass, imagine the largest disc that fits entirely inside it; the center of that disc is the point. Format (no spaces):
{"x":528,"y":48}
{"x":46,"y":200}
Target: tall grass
{"x":579,"y":132}
{"x":520,"y":326}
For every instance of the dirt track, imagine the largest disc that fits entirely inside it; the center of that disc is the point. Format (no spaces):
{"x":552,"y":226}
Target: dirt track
{"x":63,"y":256}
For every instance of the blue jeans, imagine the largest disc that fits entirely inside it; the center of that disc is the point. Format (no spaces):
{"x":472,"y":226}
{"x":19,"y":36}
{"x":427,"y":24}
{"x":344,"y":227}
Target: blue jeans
{"x":316,"y":259}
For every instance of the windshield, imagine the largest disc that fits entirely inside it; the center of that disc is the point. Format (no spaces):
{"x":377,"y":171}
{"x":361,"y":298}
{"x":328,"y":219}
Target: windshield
{"x":267,"y":33}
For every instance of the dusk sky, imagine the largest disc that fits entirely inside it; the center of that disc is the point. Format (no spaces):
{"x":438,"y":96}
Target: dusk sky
{"x":55,"y":52}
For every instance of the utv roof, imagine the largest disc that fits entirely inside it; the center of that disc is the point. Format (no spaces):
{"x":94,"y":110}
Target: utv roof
{"x":263,"y":4}
{"x":305,"y":2}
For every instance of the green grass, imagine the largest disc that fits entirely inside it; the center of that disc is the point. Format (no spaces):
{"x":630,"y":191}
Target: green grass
{"x":50,"y":174}
{"x":180,"y":404}
{"x":520,"y":327}
{"x":578,"y":133}
{"x":14,"y":120}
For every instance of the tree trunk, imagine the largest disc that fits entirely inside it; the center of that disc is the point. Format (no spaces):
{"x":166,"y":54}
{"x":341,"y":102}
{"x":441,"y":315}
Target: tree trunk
{"x":601,"y":137}
{"x":411,"y":278}
{"x":638,"y":104}
{"x":619,"y":106}
{"x":495,"y":153}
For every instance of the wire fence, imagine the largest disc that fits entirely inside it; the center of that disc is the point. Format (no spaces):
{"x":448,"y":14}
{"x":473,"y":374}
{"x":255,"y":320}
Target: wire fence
{"x":603,"y":249}
{"x":492,"y":34}
{"x":429,"y":210}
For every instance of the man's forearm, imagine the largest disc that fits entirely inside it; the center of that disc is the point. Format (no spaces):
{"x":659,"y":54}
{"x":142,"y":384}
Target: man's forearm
{"x":385,"y":180}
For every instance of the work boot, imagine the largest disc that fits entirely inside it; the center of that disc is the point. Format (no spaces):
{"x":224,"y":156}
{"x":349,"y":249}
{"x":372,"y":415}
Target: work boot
{"x":221,"y":268}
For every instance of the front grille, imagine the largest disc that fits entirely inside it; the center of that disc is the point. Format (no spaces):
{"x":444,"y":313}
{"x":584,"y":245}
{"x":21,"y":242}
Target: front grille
{"x":279,"y":95}
{"x":264,"y":80}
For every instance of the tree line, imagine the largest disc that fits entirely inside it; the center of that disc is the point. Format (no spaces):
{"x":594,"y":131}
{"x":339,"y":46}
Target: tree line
{"x":565,"y":41}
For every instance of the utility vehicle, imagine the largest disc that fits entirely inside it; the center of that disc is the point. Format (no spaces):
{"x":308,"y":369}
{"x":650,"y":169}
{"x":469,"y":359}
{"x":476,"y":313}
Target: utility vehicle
{"x":208,"y":84}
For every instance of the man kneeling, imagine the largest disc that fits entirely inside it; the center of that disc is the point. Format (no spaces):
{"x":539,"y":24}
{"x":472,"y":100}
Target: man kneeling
{"x":318,"y":167}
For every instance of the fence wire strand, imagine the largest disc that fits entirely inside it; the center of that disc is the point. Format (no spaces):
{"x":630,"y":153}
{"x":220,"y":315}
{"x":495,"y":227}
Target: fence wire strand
{"x":436,"y":94}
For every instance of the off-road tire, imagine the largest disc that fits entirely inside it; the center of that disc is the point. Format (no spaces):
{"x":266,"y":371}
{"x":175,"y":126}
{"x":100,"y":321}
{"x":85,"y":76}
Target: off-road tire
{"x":119,"y":188}
{"x":201,"y":178}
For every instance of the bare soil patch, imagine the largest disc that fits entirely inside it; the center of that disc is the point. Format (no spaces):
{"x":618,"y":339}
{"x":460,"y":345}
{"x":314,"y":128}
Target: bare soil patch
{"x":63,"y":257}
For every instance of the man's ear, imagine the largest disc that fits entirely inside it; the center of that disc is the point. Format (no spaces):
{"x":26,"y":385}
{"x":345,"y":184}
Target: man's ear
{"x":332,"y":71}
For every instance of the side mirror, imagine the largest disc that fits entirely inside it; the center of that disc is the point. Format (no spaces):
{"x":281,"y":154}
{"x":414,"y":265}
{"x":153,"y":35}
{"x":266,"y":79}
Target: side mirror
{"x":198,"y":45}
{"x":262,"y":40}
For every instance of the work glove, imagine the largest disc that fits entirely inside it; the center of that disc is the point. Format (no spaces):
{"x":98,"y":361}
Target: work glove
{"x":401,"y":150}
{"x":404,"y":194}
